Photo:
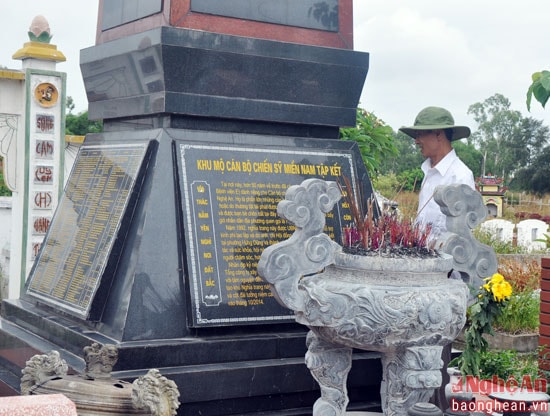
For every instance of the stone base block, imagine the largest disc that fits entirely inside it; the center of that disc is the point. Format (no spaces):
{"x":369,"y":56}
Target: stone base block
{"x":50,"y":404}
{"x":519,"y":342}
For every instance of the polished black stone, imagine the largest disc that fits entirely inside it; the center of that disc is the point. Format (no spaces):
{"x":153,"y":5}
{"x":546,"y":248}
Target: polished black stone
{"x":201,"y":74}
{"x":313,"y":14}
{"x":118,"y":12}
{"x":160,"y":283}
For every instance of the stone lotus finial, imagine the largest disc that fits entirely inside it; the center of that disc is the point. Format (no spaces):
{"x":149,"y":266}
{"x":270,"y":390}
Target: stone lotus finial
{"x":156,"y":394}
{"x":39,"y":368}
{"x":40,"y":30}
{"x":39,"y":46}
{"x":100,"y":360}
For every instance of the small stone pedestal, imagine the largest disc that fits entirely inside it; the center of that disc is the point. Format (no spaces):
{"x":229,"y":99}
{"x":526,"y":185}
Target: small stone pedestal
{"x":51,"y":405}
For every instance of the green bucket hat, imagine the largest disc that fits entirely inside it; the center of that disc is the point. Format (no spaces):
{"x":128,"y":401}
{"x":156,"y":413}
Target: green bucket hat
{"x":435,"y":118}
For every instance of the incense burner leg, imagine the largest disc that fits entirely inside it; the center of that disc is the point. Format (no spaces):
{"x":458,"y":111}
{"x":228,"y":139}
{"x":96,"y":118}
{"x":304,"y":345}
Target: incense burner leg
{"x":409,"y":377}
{"x":329,"y":364}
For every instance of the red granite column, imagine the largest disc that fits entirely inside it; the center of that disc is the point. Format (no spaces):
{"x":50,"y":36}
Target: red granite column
{"x":544,"y":331}
{"x":179,"y":13}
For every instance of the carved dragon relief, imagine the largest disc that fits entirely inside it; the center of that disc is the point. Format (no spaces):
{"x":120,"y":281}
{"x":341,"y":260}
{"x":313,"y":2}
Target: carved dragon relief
{"x":100,"y":360}
{"x":40,"y":368}
{"x":155,"y":393}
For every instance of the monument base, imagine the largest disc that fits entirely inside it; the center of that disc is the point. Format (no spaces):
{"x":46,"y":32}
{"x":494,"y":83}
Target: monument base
{"x":253,"y":373}
{"x":226,"y":358}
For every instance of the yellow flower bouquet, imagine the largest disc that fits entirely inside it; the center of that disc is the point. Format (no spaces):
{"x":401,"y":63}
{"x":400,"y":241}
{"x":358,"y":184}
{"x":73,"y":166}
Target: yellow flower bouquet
{"x":491,"y":298}
{"x":498,"y":287}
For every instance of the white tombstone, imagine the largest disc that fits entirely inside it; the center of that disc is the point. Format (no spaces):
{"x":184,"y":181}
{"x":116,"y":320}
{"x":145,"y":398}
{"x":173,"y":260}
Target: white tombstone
{"x":529,"y":231}
{"x":500,"y":229}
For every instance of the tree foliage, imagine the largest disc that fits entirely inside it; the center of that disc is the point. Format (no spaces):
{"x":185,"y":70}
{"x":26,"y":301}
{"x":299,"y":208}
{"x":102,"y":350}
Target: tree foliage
{"x":374,"y":138}
{"x":407,"y":157}
{"x":410,"y":179}
{"x":4,"y":190}
{"x":69,"y":104}
{"x":80,"y":125}
{"x":506,"y":140}
{"x":496,"y":129}
{"x":539,"y":88}
{"x":471,"y":156}
{"x":534,"y":177}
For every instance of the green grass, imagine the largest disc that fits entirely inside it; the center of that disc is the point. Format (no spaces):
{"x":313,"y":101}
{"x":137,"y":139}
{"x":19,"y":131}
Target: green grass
{"x":521,"y":314}
{"x":4,"y":190}
{"x":508,"y":363}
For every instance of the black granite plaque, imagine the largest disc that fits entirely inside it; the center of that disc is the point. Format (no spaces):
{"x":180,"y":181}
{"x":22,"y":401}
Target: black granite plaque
{"x":85,"y":233}
{"x":118,"y":12}
{"x":230,"y":196}
{"x":312,"y":14}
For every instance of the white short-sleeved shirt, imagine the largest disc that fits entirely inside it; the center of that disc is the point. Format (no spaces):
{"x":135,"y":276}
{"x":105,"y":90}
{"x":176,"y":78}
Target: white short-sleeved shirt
{"x":450,"y":170}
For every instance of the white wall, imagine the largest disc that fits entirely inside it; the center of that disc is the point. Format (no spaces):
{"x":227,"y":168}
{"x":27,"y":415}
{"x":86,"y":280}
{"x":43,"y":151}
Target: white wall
{"x":5,"y":237}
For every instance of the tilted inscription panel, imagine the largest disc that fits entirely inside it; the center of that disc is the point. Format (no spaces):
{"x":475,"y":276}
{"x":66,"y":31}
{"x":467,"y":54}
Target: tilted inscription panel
{"x":80,"y":240}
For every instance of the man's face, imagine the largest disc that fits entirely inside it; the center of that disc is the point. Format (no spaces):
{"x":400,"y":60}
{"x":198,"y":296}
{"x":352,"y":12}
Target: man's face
{"x":428,"y":142}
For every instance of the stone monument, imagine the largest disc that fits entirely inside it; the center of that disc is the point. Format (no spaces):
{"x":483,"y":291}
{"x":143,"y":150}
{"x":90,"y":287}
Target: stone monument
{"x":210,"y":112}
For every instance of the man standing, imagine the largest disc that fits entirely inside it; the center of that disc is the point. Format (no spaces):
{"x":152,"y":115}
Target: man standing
{"x":433,"y":132}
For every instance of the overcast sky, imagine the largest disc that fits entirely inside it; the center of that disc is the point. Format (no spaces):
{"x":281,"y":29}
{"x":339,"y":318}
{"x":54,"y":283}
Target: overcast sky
{"x":450,"y":53}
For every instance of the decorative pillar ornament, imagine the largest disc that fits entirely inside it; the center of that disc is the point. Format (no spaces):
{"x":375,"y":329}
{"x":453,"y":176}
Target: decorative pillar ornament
{"x":35,"y":165}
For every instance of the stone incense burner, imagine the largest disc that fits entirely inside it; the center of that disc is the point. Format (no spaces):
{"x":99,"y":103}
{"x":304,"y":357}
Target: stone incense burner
{"x":96,"y":393}
{"x":405,"y":308}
